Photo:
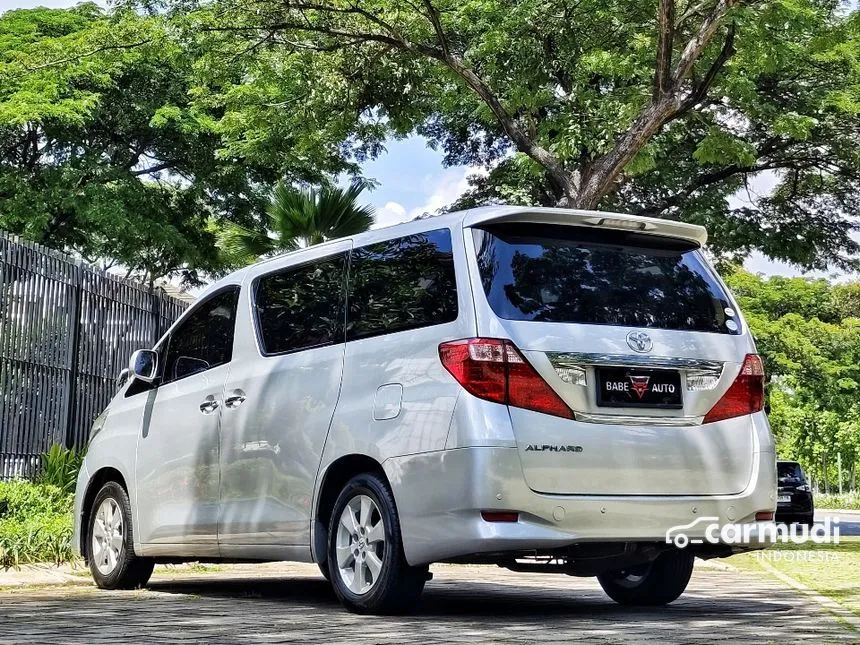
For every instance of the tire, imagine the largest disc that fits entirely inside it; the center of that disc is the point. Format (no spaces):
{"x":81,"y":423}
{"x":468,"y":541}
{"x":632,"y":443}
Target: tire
{"x":117,"y":567}
{"x":656,"y":583}
{"x":324,"y":570}
{"x":378,"y":580}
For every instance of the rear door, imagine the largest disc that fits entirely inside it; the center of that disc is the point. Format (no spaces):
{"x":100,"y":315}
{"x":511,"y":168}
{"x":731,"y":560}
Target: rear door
{"x":639,"y":338}
{"x":279,"y":399}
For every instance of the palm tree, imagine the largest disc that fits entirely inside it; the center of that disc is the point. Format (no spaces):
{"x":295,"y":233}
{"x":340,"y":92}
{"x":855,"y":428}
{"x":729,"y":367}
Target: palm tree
{"x":297,"y":217}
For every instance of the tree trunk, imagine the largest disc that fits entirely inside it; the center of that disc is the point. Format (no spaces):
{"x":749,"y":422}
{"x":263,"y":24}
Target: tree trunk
{"x":599,"y":177}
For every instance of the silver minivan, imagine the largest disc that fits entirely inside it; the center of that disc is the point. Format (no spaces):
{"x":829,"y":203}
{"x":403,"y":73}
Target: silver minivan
{"x":541,"y":389}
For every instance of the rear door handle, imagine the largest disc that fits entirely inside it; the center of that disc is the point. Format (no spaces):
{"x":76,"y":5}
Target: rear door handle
{"x":209,"y":406}
{"x":234,"y":400}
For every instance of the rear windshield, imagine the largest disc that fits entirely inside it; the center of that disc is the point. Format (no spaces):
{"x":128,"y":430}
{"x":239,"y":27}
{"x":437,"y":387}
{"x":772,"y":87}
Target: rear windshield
{"x":788,"y":470}
{"x":570,"y":274}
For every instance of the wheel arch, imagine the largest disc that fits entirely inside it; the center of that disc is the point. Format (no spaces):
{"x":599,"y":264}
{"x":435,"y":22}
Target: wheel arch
{"x":99,"y":479}
{"x":335,"y":477}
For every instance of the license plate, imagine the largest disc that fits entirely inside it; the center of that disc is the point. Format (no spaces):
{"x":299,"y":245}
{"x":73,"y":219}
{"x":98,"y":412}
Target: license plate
{"x":783,"y":499}
{"x":625,"y":387}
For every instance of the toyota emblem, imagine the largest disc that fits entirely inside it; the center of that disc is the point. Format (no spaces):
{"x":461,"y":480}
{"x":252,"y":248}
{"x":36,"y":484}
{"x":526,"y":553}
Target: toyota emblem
{"x":639,"y":341}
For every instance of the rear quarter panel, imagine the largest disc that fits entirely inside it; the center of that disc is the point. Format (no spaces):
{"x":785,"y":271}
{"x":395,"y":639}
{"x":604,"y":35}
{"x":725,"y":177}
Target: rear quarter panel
{"x":369,"y":421}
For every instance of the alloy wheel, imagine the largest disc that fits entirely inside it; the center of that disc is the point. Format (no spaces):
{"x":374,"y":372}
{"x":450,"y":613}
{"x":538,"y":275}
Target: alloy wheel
{"x":360,"y":545}
{"x":108,"y":536}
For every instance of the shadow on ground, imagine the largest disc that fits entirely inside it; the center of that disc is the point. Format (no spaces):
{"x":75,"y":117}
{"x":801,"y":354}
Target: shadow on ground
{"x":461,"y":605}
{"x":449,"y":598}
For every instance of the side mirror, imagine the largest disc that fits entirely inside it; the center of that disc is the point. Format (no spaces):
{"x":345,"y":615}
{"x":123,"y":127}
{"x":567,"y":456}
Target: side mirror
{"x":122,"y":378}
{"x":143,"y":365}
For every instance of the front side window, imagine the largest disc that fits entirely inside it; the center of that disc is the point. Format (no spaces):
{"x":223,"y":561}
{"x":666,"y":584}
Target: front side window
{"x":402,"y":284}
{"x":302,"y":307}
{"x":569,"y":274}
{"x":204,"y":339}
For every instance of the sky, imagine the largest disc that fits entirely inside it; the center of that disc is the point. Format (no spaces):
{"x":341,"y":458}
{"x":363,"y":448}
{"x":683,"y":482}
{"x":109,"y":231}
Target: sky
{"x":412,"y":179}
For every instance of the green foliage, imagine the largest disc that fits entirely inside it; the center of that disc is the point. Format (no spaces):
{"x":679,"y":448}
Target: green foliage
{"x":136,"y":135}
{"x":60,"y":467}
{"x":783,"y":109}
{"x":297,"y":218}
{"x":809,"y":334}
{"x":107,"y":150}
{"x":845,"y":502}
{"x":36,"y":525}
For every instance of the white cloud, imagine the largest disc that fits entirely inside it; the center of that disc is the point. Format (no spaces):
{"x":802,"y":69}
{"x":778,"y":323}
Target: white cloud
{"x":452,"y":184}
{"x":390,"y":214}
{"x":435,"y":191}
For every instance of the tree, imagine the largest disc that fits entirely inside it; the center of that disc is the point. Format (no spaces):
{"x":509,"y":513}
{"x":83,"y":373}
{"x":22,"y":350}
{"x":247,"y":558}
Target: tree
{"x":809,"y":334}
{"x":106,"y":151}
{"x":298,"y":217}
{"x":666,"y":108}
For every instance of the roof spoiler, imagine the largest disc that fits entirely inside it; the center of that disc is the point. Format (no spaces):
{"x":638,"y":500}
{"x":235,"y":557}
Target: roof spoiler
{"x":598,"y":219}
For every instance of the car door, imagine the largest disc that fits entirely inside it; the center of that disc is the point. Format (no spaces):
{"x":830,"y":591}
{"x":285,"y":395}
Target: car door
{"x":279,"y":400}
{"x":178,"y":449}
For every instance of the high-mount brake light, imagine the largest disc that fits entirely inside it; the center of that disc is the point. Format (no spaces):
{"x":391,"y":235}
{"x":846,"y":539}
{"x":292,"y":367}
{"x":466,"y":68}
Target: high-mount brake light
{"x":495,"y":370}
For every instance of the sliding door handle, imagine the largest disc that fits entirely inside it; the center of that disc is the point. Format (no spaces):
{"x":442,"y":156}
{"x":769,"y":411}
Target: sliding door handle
{"x":234,"y":400}
{"x":209,"y":406}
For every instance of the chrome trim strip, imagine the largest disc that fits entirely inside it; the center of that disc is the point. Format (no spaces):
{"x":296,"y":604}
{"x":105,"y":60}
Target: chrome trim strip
{"x":576,"y":359}
{"x":632,"y":420}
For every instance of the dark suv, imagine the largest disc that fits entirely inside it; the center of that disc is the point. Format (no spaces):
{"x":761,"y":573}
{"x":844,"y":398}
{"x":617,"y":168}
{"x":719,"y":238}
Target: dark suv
{"x":794,"y":503}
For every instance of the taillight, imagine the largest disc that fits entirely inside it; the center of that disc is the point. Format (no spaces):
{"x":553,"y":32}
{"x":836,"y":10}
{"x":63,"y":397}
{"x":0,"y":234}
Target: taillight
{"x":495,"y":370}
{"x":746,"y":394}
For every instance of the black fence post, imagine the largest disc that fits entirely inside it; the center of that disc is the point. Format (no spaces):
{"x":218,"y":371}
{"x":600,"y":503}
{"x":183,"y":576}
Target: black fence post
{"x":74,"y":347}
{"x":156,"y":299}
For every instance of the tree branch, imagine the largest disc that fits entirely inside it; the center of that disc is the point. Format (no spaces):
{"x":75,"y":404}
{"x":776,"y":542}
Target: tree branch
{"x":524,"y":143}
{"x":151,"y":169}
{"x":696,"y":45}
{"x":716,"y":176}
{"x":665,"y":39}
{"x":703,"y":181}
{"x":437,"y":27}
{"x":700,"y":90}
{"x":662,"y":107}
{"x":555,"y":169}
{"x":87,"y":54}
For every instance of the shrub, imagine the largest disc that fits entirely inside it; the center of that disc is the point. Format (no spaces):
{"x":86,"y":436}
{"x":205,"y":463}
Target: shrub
{"x":847,"y":501}
{"x":36,"y":525}
{"x":60,"y":467}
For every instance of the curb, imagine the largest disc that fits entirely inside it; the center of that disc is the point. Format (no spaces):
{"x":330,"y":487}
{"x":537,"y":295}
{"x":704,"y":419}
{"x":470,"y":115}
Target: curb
{"x":831,"y":605}
{"x":30,"y":575}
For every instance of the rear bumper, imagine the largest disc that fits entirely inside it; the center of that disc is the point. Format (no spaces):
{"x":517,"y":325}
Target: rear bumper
{"x":800,"y":504}
{"x":799,"y":509}
{"x":440,"y":496}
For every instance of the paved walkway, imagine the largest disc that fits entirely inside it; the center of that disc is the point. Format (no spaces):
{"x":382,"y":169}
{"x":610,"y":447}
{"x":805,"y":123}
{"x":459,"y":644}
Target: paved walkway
{"x":292,"y":603}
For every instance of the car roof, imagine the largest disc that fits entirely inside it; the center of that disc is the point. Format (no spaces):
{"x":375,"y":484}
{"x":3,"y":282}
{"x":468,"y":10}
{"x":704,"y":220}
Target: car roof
{"x":492,"y":214}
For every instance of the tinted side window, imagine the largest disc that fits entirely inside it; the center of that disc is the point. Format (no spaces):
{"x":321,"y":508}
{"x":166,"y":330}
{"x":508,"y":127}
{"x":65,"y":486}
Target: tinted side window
{"x":402,"y":284}
{"x":302,"y":307}
{"x":205,"y":339}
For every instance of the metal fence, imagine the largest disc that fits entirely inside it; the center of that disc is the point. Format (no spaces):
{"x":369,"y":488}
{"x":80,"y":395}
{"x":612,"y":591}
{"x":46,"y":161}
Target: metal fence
{"x":66,"y":331}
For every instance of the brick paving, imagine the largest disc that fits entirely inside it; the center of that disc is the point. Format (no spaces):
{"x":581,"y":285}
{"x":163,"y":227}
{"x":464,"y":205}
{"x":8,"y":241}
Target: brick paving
{"x":292,"y":603}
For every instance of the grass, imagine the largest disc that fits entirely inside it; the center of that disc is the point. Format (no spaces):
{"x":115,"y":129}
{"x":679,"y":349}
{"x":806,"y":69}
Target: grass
{"x":846,"y":501}
{"x":833,"y":570}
